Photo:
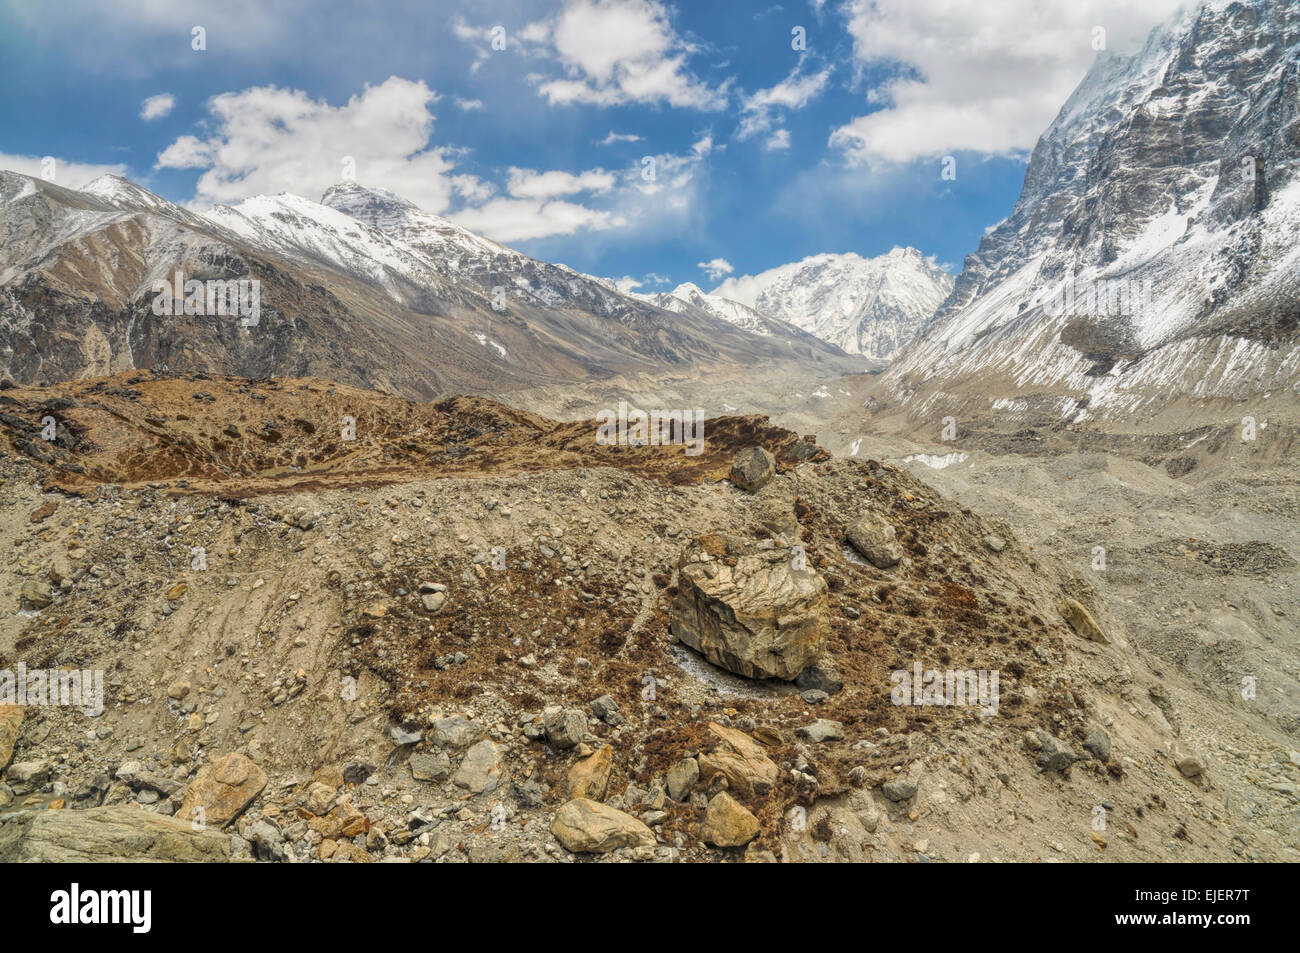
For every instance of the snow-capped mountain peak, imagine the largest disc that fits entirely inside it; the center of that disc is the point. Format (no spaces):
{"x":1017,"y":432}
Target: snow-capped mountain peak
{"x":869,"y":306}
{"x":407,"y":222}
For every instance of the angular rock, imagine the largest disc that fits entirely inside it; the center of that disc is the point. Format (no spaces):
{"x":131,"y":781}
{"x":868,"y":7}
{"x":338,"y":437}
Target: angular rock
{"x":480,"y":772}
{"x":752,"y":469}
{"x":900,"y":789}
{"x":222,"y":789}
{"x":456,"y":732}
{"x":589,"y":777}
{"x":584,"y":826}
{"x":565,"y":727}
{"x":36,"y":594}
{"x":682,"y":777}
{"x":823,"y":729}
{"x":606,"y":709}
{"x":319,"y":798}
{"x":430,"y":766}
{"x":748,"y":610}
{"x":739,"y":759}
{"x":404,"y":736}
{"x":1188,"y":762}
{"x":995,"y":543}
{"x":1054,"y":755}
{"x":874,"y":538}
{"x":1098,"y":744}
{"x":102,"y":834}
{"x":1081,"y":621}
{"x":727,"y":823}
{"x":28,"y":774}
{"x":11,"y":722}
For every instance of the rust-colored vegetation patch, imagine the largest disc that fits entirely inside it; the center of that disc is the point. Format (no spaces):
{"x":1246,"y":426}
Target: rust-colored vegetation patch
{"x":236,"y":437}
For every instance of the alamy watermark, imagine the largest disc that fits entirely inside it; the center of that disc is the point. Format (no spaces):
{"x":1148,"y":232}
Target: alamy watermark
{"x":638,"y":428}
{"x":212,"y":297}
{"x":1122,"y":297}
{"x":53,"y":687}
{"x":950,"y":687}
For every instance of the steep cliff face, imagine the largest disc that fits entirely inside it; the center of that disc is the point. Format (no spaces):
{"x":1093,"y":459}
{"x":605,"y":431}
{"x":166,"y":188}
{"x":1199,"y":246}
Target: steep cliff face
{"x":1154,"y":252}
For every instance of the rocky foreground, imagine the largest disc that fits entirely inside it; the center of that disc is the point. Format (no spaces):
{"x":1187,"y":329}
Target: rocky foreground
{"x":465,"y":632}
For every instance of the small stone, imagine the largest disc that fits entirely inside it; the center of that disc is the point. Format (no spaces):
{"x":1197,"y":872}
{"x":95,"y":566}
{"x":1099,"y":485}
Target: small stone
{"x":456,"y":732}
{"x":480,"y":772}
{"x":1189,"y":763}
{"x":899,"y":789}
{"x":319,"y":798}
{"x":752,"y":469}
{"x":995,"y":543}
{"x":1054,"y":754}
{"x":1098,"y":743}
{"x":589,"y":777}
{"x":586,"y":826}
{"x":430,"y":766}
{"x":682,"y":777}
{"x":404,"y":736}
{"x":36,"y":594}
{"x":1081,"y":621}
{"x":727,"y":823}
{"x":606,"y":709}
{"x":823,"y":729}
{"x":875,"y":539}
{"x":565,"y":727}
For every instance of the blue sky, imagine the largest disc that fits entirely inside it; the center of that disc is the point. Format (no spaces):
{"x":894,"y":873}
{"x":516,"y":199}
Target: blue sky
{"x":762,"y":153}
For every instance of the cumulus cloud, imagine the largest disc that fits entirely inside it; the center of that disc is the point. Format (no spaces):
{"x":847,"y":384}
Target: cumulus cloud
{"x":266,"y":139}
{"x":614,"y":137}
{"x":986,"y":77}
{"x":716,"y":268}
{"x":622,"y":51}
{"x":155,"y":107}
{"x":468,"y":105}
{"x":70,"y":175}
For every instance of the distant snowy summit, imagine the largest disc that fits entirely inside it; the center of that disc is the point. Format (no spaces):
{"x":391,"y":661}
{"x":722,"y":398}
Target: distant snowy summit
{"x":868,"y":306}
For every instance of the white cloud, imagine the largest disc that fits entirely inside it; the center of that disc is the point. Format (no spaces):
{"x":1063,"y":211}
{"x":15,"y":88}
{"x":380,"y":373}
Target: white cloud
{"x":982,"y":77}
{"x":716,"y":268}
{"x":778,"y":140}
{"x":266,"y":140}
{"x":623,"y":51}
{"x":529,"y":184}
{"x":797,"y":90}
{"x":70,"y":175}
{"x":614,"y":137}
{"x":516,"y":220}
{"x":155,"y":107}
{"x":468,"y":105}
